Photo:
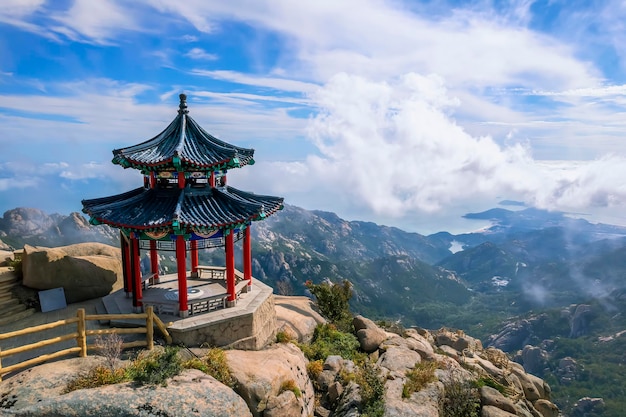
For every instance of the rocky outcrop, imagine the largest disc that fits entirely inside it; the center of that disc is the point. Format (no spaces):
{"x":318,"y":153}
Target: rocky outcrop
{"x":264,"y":376}
{"x":84,"y":270}
{"x":588,"y":406}
{"x":369,"y":334}
{"x":297,"y":317}
{"x":275,"y":381}
{"x":39,"y":392}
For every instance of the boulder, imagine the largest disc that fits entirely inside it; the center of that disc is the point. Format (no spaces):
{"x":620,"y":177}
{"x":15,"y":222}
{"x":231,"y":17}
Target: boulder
{"x":359,"y":322}
{"x":39,"y":392}
{"x":398,"y":358}
{"x":260,"y":376}
{"x":534,"y":388}
{"x":457,"y":340}
{"x":297,"y":316}
{"x":284,"y":404}
{"x":546,"y":408}
{"x":84,"y":270}
{"x":491,"y":411}
{"x":370,"y":339}
{"x":492,"y":397}
{"x":587,"y":405}
{"x":534,"y":359}
{"x":424,"y":403}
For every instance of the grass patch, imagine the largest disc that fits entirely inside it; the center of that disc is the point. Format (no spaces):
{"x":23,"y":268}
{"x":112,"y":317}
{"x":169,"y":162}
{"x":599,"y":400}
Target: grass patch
{"x":327,"y":340}
{"x":97,"y":377}
{"x":489,"y":382}
{"x":284,"y":336}
{"x":213,"y":363}
{"x":290,"y":385}
{"x":315,"y":368}
{"x":154,"y":368}
{"x":418,"y":377}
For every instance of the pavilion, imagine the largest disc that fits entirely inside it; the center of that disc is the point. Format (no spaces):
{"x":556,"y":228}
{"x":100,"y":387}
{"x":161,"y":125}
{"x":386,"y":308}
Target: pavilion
{"x":183,"y":206}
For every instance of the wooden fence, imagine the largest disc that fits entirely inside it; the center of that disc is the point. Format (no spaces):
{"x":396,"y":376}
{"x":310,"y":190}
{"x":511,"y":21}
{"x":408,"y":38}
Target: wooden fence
{"x":80,"y":335}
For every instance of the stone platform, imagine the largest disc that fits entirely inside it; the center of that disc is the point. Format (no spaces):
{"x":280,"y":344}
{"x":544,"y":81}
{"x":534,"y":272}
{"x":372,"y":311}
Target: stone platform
{"x":250,"y":324}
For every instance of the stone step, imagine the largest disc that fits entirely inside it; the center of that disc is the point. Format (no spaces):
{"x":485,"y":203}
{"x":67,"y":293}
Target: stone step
{"x":7,"y":285}
{"x":7,"y":302}
{"x":11,"y":309}
{"x":15,"y":317}
{"x":101,"y":309}
{"x":5,"y":296}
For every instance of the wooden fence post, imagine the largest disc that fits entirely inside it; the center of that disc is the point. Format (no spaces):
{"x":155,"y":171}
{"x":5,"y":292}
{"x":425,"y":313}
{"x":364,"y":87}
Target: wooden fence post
{"x":150,"y":327}
{"x":0,"y":365}
{"x":81,"y":339}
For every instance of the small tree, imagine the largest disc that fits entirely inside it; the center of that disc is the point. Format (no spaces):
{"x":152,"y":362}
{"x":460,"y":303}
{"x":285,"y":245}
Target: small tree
{"x":110,"y":347}
{"x":332,"y":300}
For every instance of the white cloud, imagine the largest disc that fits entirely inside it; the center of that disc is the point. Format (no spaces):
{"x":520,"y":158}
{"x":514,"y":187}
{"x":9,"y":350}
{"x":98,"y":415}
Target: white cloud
{"x":95,"y":21}
{"x":393,"y":148}
{"x":201,"y":54}
{"x":277,"y":83}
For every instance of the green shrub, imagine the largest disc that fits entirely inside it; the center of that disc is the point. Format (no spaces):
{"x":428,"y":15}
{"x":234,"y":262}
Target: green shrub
{"x":16,"y":266}
{"x":372,"y":390}
{"x":461,"y":399}
{"x":284,"y":336}
{"x":154,"y":368}
{"x":332,"y":300}
{"x":314,"y":369}
{"x":213,"y":363}
{"x":97,"y":377}
{"x":417,"y":378}
{"x":490,"y":382}
{"x":290,"y":385}
{"x":327,"y":340}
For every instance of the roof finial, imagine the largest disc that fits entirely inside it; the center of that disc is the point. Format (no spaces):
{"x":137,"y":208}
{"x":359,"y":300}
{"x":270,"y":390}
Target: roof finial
{"x":182,"y":107}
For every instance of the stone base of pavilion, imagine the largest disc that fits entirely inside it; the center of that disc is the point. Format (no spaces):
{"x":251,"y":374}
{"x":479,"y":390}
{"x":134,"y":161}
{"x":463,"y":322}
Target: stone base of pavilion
{"x":250,"y":324}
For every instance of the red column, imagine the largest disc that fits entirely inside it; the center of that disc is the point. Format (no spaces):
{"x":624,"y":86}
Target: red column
{"x":137,"y":294}
{"x":154,"y":260}
{"x":194,"y":256}
{"x":126,"y":271}
{"x":152,"y":179}
{"x":181,"y":180}
{"x":212,"y":179}
{"x":247,"y":256}
{"x":181,"y":265}
{"x":230,"y":269}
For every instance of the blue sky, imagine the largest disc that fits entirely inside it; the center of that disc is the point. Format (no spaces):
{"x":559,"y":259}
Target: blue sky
{"x":406,"y":113}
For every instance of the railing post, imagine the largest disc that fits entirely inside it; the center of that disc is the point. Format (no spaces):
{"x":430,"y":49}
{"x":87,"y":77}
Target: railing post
{"x":0,"y":366}
{"x":81,"y":340}
{"x":150,"y":327}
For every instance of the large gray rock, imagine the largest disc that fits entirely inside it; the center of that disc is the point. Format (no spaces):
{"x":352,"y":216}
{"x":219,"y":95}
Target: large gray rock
{"x":369,"y":334}
{"x":39,"y":392}
{"x":259,"y":376}
{"x":546,"y":408}
{"x":491,"y":411}
{"x":398,"y":358}
{"x":492,"y":397}
{"x":84,"y":270}
{"x":534,"y":359}
{"x":297,"y":316}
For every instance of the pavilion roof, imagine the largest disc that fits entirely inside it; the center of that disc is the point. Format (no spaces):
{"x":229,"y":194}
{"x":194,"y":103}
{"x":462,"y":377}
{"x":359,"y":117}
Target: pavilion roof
{"x":183,"y":146}
{"x":181,"y":210}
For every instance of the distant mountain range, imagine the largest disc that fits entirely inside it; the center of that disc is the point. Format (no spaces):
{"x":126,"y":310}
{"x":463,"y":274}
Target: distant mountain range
{"x":532,"y":257}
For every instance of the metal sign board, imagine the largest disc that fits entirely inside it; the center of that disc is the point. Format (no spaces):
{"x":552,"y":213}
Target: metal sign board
{"x":53,"y":299}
